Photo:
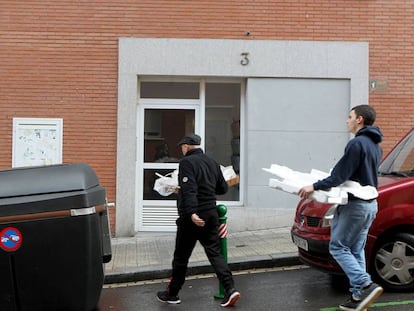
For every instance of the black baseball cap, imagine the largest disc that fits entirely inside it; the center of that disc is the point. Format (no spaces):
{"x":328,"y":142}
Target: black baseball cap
{"x":190,"y":139}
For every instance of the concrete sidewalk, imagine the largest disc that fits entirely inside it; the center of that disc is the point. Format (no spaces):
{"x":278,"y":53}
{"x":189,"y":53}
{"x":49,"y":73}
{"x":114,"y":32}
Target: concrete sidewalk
{"x":148,"y":255}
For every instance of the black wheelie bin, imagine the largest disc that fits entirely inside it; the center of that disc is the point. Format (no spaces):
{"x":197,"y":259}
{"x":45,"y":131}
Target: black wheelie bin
{"x":55,"y":238}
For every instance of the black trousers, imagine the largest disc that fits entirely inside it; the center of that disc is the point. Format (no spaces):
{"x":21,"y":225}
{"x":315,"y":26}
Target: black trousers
{"x":187,"y":236}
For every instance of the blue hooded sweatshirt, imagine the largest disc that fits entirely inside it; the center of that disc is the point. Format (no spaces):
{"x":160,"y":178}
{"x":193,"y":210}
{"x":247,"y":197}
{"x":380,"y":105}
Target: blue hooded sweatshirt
{"x":360,"y":161}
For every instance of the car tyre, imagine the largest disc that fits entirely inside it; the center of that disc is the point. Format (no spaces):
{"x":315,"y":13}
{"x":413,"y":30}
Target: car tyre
{"x":393,"y":262}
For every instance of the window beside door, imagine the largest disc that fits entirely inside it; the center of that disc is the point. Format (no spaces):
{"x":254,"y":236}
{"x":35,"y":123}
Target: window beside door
{"x":222,"y":128}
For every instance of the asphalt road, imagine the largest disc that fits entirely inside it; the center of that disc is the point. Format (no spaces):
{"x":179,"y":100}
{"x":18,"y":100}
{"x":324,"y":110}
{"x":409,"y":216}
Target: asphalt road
{"x":287,"y":289}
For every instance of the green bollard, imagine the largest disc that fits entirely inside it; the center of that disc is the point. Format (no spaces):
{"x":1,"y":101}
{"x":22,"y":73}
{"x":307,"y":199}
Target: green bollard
{"x":222,"y":210}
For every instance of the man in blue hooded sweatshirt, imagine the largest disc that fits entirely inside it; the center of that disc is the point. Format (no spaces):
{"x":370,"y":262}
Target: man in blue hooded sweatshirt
{"x":352,"y":221}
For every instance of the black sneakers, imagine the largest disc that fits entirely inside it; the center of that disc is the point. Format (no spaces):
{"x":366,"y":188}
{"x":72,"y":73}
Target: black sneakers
{"x":368,"y":295}
{"x":230,"y":298}
{"x":349,"y":305}
{"x":163,"y":296}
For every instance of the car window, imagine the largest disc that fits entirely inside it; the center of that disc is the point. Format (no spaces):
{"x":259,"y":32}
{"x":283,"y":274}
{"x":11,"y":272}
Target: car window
{"x":400,"y":161}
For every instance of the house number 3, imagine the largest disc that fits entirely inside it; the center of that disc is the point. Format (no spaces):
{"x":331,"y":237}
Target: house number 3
{"x":245,"y":59}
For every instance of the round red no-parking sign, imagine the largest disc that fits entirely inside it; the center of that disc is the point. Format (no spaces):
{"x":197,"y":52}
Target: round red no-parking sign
{"x":10,"y":239}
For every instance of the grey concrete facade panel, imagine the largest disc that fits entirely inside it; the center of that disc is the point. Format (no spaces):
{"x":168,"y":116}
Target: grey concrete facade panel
{"x":221,"y":58}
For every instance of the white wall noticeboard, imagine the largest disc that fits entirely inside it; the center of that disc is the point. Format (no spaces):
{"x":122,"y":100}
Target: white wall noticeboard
{"x":37,"y":141}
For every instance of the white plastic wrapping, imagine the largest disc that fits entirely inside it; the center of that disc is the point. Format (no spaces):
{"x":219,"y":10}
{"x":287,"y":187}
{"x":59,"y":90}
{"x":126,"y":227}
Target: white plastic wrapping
{"x":292,"y":181}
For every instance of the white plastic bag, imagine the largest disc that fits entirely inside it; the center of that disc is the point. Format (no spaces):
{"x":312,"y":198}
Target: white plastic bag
{"x":166,"y":185}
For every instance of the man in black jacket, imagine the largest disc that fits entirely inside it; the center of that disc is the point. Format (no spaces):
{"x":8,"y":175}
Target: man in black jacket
{"x":200,"y":179}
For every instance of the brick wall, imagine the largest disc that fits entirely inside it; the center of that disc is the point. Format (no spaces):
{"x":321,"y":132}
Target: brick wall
{"x":59,"y":58}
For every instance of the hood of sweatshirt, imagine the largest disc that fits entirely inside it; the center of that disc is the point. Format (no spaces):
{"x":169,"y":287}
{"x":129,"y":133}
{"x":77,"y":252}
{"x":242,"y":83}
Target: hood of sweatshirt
{"x":372,"y":132}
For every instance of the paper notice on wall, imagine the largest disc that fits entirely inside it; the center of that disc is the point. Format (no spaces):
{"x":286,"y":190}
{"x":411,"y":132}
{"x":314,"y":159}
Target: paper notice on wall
{"x":292,"y":181}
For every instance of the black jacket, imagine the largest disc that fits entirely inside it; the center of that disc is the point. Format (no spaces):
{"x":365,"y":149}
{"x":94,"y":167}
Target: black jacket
{"x":200,"y":179}
{"x":360,"y":161}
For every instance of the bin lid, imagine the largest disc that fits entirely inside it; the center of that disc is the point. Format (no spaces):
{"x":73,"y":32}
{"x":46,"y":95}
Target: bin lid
{"x":46,"y":179}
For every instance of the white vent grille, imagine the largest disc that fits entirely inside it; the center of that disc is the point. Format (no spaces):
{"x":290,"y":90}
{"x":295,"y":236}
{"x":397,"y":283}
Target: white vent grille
{"x":159,"y":218}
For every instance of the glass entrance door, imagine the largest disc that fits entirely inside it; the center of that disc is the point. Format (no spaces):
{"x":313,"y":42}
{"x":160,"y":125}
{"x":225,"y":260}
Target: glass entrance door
{"x":163,"y":126}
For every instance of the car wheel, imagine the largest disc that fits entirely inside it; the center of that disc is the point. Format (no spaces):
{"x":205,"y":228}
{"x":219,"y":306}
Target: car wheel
{"x":393,"y":262}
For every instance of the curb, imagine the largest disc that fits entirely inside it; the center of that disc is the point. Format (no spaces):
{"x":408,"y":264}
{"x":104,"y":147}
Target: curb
{"x":260,"y":262}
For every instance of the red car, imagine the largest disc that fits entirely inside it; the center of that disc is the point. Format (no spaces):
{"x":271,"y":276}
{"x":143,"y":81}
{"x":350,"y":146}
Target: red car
{"x":390,"y":245}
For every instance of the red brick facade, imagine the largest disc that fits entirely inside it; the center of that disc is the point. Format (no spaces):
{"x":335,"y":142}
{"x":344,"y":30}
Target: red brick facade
{"x":59,"y":59}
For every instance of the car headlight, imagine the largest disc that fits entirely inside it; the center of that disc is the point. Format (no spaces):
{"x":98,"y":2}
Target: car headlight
{"x":329,"y":215}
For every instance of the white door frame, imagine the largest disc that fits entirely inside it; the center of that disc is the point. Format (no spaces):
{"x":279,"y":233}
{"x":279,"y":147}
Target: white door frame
{"x":169,"y":206}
